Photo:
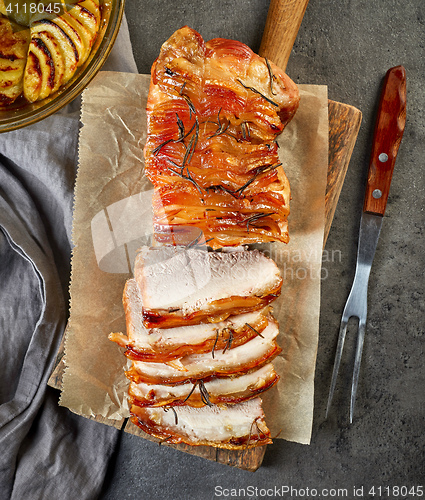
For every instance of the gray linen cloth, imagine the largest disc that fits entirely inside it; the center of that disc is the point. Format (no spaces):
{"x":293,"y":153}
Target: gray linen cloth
{"x":46,"y":452}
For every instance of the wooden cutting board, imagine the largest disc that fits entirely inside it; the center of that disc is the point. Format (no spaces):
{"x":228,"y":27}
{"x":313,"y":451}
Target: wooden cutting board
{"x":282,"y":25}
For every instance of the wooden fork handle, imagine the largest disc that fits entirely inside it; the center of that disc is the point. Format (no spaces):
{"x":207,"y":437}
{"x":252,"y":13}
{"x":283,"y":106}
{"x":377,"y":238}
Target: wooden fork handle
{"x":282,"y":25}
{"x":389,"y":130}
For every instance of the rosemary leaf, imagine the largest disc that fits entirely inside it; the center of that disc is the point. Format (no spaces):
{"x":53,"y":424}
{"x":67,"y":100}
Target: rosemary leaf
{"x":271,"y":75}
{"x":256,"y":217}
{"x":215,"y":344}
{"x":191,"y":392}
{"x":254,"y":330}
{"x":259,"y":93}
{"x":229,"y":341}
{"x":204,"y":393}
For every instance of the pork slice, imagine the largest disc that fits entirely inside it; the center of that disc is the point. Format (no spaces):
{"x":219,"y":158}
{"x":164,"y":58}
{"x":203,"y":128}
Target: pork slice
{"x":235,"y":426}
{"x":163,"y":344}
{"x":237,"y":361}
{"x":181,"y":285}
{"x":214,"y":391}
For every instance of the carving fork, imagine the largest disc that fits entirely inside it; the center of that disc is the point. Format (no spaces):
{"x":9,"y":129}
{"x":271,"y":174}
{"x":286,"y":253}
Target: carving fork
{"x":389,"y":130}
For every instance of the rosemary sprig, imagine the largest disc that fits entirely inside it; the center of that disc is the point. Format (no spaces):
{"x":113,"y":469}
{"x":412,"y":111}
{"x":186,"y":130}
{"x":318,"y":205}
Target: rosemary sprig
{"x":267,"y":168}
{"x":191,"y":392}
{"x":166,"y":408}
{"x":188,"y":155}
{"x":271,"y":75}
{"x":254,"y":330}
{"x":247,"y":183}
{"x":182,"y":88}
{"x":205,"y":397}
{"x":222,"y":127}
{"x":162,"y":441}
{"x":158,"y":148}
{"x":195,"y":241}
{"x":190,"y":104}
{"x":182,"y":135}
{"x":181,"y":126}
{"x":195,"y":140}
{"x":192,"y":180}
{"x":260,"y":170}
{"x":215,"y":343}
{"x":259,"y":432}
{"x":229,"y":340}
{"x":256,"y":217}
{"x":187,"y":176}
{"x":216,"y":187}
{"x":221,"y":130}
{"x":245,"y":130}
{"x":259,"y":93}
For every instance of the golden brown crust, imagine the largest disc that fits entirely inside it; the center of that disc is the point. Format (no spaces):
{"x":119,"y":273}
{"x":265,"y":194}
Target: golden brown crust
{"x":218,"y":310}
{"x":216,"y":167}
{"x":198,"y":398}
{"x":137,"y":375}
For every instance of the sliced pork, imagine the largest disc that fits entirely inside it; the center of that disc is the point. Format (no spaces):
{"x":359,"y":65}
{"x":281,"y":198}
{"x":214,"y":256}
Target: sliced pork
{"x":237,"y":361}
{"x":184,"y":286}
{"x":200,"y":393}
{"x":236,"y":426}
{"x":164,"y":344}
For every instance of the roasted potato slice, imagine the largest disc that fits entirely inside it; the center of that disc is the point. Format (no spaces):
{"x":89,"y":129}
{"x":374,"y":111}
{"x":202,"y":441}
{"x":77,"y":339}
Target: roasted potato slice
{"x":87,"y":12}
{"x":14,"y":43}
{"x":59,"y":44}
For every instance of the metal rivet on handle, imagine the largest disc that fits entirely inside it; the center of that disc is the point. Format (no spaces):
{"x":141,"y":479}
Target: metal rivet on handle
{"x":383,"y":157}
{"x":377,"y":193}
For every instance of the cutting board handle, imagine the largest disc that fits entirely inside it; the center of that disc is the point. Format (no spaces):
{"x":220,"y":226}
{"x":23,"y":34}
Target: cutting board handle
{"x":282,"y":25}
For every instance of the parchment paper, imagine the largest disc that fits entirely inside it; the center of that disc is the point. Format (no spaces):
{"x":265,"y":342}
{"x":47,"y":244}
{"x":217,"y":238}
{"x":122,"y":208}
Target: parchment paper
{"x":112,"y":217}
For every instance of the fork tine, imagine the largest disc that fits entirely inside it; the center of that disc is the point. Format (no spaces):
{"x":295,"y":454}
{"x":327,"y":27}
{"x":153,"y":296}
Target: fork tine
{"x":357,"y":361}
{"x":339,"y":349}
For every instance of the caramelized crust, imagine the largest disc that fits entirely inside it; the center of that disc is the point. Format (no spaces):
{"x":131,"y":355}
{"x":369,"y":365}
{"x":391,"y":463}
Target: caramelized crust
{"x":233,"y":362}
{"x":214,"y":111}
{"x":218,"y":310}
{"x":165,"y":344}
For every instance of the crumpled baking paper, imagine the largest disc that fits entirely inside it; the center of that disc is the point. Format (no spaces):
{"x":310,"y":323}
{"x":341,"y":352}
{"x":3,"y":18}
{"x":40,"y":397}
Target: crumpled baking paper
{"x":112,"y":218}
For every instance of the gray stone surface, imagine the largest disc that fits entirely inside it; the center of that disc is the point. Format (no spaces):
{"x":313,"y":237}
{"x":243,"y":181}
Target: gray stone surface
{"x":348,"y":45}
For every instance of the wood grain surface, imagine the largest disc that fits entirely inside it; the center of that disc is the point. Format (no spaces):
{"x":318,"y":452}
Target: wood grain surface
{"x":282,"y":24}
{"x":389,"y":128}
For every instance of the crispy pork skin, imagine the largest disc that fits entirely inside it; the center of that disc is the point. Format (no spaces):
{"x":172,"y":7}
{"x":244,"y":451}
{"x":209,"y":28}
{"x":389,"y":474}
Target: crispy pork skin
{"x":214,"y":111}
{"x":182,"y":286}
{"x":235,"y":426}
